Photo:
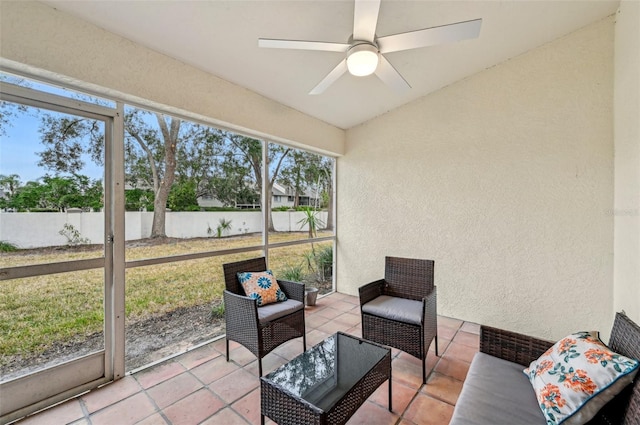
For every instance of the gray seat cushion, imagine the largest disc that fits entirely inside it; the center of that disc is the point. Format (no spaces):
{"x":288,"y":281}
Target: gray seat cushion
{"x":277,"y":310}
{"x":394,"y":308}
{"x":496,"y":392}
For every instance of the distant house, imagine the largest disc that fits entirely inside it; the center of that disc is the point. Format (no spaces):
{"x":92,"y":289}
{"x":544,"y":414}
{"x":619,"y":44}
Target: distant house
{"x":285,"y":197}
{"x":281,"y":196}
{"x":206,"y":201}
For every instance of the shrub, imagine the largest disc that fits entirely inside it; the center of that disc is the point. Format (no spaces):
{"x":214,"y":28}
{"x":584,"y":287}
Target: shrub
{"x":73,"y":235}
{"x":324,"y":262}
{"x":223,"y":227}
{"x":138,"y":199}
{"x":7,"y":246}
{"x":182,"y":197}
{"x":311,"y":220}
{"x":292,"y":273}
{"x":217,"y":311}
{"x":44,"y":210}
{"x":223,"y":209}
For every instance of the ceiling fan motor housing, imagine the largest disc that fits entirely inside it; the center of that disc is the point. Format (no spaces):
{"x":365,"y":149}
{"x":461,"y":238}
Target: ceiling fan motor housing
{"x":362,"y":58}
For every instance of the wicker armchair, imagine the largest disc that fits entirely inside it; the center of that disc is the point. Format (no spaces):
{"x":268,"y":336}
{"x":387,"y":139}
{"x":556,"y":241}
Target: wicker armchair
{"x":261,"y":329}
{"x":400,"y":310}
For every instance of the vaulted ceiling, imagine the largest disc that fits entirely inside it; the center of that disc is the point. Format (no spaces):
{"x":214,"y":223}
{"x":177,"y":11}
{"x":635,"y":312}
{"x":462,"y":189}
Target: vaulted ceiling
{"x":221,"y":37}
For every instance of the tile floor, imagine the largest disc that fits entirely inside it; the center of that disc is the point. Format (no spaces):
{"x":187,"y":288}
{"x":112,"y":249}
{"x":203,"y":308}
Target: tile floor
{"x":200,"y":387}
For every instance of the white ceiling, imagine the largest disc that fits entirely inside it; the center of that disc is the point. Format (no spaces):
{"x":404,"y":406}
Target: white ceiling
{"x":221,"y":37}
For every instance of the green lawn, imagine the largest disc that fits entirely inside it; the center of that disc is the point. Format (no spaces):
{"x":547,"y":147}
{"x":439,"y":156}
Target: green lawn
{"x":36,"y":312}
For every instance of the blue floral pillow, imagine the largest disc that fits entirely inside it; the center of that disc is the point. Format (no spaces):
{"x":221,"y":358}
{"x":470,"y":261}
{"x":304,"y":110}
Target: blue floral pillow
{"x":262,"y":287}
{"x":577,"y":376}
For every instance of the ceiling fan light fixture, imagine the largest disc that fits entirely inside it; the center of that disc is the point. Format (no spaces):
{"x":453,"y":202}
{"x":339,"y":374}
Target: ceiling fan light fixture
{"x":362,"y":59}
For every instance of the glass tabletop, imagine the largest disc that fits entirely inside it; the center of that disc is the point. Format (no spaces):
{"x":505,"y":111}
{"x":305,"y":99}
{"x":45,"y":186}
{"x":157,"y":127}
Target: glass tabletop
{"x":326,"y":372}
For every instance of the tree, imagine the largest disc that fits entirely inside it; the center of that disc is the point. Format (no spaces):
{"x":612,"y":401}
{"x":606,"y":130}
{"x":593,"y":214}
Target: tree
{"x":160,"y":150}
{"x":29,"y":196}
{"x":308,"y":171}
{"x":154,"y":143}
{"x":320,"y":172}
{"x":197,"y":158}
{"x":248,"y":152}
{"x":292,"y":174}
{"x":76,"y":191}
{"x":182,"y":196}
{"x":233,"y":181}
{"x":238,"y":179}
{"x":137,"y":199}
{"x":58,"y":193}
{"x":9,"y":184}
{"x":65,"y":137}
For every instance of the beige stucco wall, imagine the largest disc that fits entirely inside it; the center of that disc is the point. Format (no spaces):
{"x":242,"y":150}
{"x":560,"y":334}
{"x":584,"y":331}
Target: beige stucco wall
{"x":627,"y":161}
{"x":37,"y":37}
{"x":505,"y":179}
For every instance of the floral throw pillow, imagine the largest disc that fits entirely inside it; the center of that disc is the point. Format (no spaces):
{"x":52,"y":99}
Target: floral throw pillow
{"x":262,"y":287}
{"x":577,"y":376}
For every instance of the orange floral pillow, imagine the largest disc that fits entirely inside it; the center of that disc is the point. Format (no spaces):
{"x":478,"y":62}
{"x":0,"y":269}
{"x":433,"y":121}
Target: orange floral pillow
{"x":577,"y":376}
{"x":262,"y":287}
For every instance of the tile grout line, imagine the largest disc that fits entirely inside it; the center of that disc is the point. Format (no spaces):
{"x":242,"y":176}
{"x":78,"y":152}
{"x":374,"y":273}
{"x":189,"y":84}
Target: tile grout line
{"x":85,"y":410}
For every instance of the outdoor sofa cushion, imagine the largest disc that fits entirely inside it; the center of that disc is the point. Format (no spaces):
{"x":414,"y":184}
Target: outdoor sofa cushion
{"x":496,"y":391}
{"x":275,"y":311}
{"x":262,"y":287}
{"x":395,"y":308}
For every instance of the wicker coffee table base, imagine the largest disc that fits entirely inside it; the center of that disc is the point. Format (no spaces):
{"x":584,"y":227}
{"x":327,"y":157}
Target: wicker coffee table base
{"x":287,"y":409}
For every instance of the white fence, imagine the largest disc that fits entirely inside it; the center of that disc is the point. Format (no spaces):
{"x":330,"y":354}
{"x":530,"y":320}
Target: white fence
{"x":35,"y":230}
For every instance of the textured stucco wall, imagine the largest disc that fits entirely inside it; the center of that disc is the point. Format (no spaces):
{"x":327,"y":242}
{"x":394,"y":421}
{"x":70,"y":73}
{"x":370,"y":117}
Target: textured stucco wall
{"x":39,"y":36}
{"x":627,"y":160}
{"x":505,"y":179}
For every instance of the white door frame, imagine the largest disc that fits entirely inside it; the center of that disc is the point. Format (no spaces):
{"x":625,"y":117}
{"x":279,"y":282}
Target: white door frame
{"x":34,"y":391}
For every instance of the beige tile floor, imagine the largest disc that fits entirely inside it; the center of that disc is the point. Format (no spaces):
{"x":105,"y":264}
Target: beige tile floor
{"x":201,"y":387}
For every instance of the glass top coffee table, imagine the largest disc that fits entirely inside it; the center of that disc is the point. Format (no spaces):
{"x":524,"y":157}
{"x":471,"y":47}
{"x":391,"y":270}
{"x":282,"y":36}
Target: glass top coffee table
{"x":326,"y":384}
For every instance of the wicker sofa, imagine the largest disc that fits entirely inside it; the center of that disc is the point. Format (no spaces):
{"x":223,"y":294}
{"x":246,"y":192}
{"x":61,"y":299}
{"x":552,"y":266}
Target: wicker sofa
{"x":497,"y":392}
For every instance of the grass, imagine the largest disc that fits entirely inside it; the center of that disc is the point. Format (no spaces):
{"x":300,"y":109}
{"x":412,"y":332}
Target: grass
{"x":37,"y":312}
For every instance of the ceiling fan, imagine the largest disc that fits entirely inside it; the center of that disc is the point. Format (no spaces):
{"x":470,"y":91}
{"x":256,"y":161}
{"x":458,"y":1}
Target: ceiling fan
{"x":365,"y":50}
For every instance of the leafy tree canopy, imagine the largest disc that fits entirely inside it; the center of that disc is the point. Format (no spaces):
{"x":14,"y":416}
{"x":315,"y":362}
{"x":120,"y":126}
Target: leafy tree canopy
{"x":168,"y":163}
{"x":56,"y":193}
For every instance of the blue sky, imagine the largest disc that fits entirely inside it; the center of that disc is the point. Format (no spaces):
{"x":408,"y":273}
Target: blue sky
{"x":19,"y":147}
{"x":21,"y":143}
{"x":16,"y":150}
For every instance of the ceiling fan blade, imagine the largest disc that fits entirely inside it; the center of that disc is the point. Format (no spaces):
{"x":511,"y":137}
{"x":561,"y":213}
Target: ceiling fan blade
{"x":330,"y":78}
{"x":302,"y":45}
{"x":365,"y":19}
{"x":390,"y":76}
{"x":430,"y":36}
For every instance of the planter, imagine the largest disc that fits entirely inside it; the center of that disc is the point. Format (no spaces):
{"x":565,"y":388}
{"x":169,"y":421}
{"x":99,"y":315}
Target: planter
{"x":310,"y":296}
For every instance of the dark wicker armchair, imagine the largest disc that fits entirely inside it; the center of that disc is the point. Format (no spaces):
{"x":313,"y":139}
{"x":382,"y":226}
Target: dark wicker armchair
{"x":400,"y":310}
{"x":261,"y":329}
